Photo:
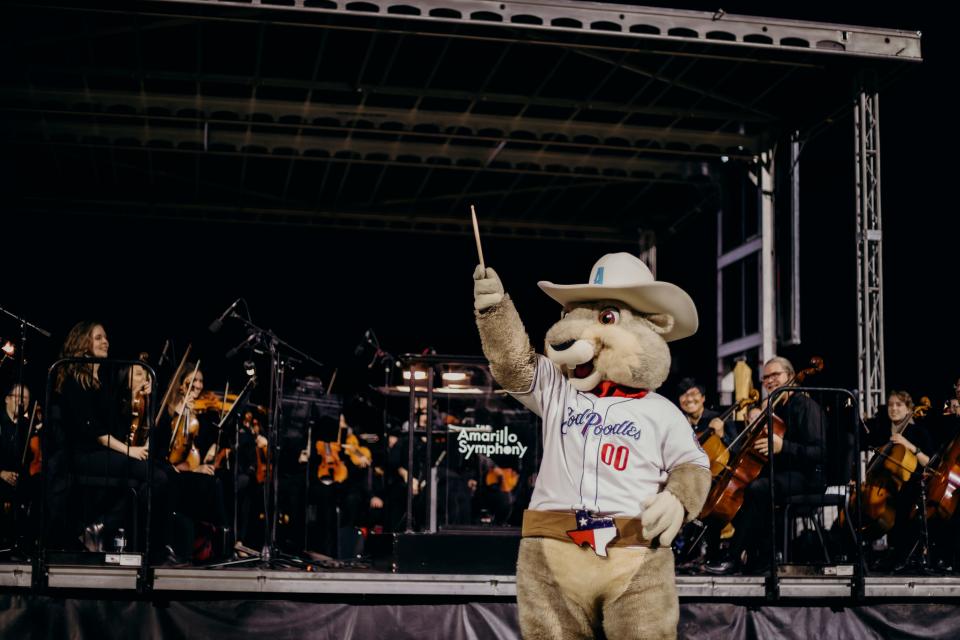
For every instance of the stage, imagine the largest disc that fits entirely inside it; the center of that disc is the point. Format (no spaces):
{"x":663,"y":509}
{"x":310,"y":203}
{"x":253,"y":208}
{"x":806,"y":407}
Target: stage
{"x":359,"y":582}
{"x":86,"y":601}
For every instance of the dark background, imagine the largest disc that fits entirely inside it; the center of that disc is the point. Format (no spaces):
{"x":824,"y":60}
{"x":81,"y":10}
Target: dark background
{"x":320,"y":290}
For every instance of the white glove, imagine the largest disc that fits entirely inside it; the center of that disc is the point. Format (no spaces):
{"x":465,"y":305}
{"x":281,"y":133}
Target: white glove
{"x":663,"y":516}
{"x":487,"y":288}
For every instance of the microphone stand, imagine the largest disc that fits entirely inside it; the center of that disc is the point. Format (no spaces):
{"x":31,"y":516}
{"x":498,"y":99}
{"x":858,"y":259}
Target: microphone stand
{"x":280,"y":353}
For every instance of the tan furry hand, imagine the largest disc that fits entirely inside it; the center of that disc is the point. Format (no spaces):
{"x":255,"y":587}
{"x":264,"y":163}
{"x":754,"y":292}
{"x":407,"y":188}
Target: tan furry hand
{"x":487,"y":288}
{"x":663,"y":516}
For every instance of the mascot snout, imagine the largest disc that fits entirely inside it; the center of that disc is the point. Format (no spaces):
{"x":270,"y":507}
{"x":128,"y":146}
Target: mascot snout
{"x":575,"y":359}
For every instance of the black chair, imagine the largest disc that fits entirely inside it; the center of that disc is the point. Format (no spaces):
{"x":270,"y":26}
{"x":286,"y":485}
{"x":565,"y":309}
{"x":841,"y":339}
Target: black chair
{"x":838,"y":467}
{"x":97,"y":492}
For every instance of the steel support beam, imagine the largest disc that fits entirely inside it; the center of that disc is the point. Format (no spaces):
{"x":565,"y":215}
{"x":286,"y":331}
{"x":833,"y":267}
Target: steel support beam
{"x":768,"y":300}
{"x":871,"y":381}
{"x":608,"y":20}
{"x":377,"y":117}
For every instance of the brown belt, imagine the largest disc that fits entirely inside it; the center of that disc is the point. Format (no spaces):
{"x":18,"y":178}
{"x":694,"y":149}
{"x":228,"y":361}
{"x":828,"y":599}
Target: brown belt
{"x":555,"y":524}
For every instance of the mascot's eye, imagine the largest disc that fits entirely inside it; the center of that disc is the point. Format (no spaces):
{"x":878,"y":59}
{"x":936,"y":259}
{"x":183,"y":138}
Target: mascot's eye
{"x":609,"y":316}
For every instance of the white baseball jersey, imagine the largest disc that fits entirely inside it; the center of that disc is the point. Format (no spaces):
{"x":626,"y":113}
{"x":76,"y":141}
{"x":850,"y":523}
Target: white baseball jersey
{"x":605,"y":454}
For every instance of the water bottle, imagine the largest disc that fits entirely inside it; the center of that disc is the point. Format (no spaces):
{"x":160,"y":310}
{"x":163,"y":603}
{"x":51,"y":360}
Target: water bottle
{"x":120,"y":541}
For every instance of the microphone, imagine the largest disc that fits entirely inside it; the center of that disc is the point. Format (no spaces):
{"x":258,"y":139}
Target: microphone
{"x":245,"y":343}
{"x":361,"y":348}
{"x":163,"y":354}
{"x":218,"y":323}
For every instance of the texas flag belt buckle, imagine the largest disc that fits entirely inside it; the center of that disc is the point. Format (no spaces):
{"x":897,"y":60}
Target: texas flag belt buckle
{"x":596,"y":531}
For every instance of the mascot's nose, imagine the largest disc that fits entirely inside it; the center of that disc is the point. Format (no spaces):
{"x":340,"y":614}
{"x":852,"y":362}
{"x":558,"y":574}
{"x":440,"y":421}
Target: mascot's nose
{"x":563,"y":346}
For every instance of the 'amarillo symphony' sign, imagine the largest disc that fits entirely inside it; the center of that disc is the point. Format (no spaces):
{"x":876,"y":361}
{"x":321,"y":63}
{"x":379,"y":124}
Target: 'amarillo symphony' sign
{"x":490,"y":443}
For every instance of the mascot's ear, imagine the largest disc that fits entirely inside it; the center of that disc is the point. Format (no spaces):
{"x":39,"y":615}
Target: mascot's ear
{"x":661,"y":323}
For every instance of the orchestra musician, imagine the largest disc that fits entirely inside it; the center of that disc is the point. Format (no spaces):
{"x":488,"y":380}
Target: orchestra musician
{"x":96,"y":439}
{"x":941,"y":475}
{"x":899,"y":427}
{"x":251,"y":474}
{"x":398,"y":477}
{"x":198,"y":492}
{"x":338,"y":482}
{"x":691,"y":398}
{"x":13,"y":425}
{"x":799,"y":470}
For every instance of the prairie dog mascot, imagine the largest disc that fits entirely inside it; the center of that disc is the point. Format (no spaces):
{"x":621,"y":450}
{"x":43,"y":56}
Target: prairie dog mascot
{"x":621,"y":468}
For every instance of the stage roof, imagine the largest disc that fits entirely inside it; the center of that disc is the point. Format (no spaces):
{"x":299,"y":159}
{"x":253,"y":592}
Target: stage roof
{"x":556,"y":119}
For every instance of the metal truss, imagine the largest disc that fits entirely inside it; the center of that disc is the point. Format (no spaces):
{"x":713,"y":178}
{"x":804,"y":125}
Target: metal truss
{"x":871,"y":380}
{"x":612,"y":20}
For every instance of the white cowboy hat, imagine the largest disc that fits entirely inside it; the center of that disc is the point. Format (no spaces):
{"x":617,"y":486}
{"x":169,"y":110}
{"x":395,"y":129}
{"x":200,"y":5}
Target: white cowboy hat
{"x":623,"y":277}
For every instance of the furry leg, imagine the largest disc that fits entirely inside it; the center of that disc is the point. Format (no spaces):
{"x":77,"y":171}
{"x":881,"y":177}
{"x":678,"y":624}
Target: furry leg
{"x":647,"y":608}
{"x":546,"y":613}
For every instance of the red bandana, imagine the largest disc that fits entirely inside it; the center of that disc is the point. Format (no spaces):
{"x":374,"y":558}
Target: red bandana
{"x":606,"y":389}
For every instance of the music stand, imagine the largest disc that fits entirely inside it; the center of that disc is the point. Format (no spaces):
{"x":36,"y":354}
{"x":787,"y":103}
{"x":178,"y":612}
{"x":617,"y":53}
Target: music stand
{"x":304,"y":411}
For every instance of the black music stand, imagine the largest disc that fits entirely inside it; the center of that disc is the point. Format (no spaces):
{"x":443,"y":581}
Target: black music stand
{"x":303,"y":412}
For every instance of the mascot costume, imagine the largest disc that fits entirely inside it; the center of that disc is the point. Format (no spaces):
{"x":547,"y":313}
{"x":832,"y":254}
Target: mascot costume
{"x":621,"y":468}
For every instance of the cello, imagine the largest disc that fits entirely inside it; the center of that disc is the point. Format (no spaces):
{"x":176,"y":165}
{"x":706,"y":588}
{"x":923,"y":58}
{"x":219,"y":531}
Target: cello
{"x":943,"y":482}
{"x":727,"y":491}
{"x":889,"y":470}
{"x":713,"y":445}
{"x":943,"y":477}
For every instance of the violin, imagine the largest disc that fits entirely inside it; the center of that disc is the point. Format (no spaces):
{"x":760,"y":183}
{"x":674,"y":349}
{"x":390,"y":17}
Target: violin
{"x":261,"y":465}
{"x":359,"y":455}
{"x":251,"y":423}
{"x":182,"y":448}
{"x":213,"y":401}
{"x":507,"y":478}
{"x":727,"y":491}
{"x":331,"y":467}
{"x":31,"y":448}
{"x":184,"y":429}
{"x":138,"y":409}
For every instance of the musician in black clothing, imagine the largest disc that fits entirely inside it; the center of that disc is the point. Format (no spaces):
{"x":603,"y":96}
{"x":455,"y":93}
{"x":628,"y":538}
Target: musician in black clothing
{"x":95,"y":437}
{"x":249,"y":490}
{"x":13,"y":425}
{"x":12,"y":432}
{"x":898,"y":427}
{"x":197,"y":492}
{"x":944,"y":532}
{"x":691,"y":397}
{"x":799,"y":462}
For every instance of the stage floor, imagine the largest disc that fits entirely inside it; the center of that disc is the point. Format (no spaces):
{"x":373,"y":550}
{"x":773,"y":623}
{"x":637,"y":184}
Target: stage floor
{"x":259,"y":580}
